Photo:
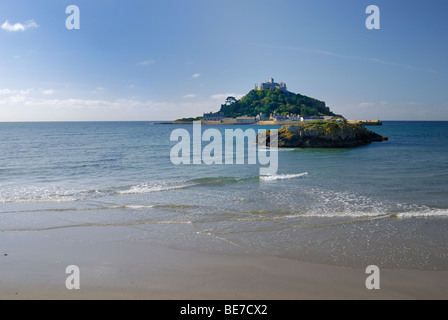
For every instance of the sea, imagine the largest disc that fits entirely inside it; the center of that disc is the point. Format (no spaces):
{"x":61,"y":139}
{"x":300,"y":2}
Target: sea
{"x":384,"y":204}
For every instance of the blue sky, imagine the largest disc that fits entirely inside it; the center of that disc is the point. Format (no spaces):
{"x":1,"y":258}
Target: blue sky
{"x":162,"y":60}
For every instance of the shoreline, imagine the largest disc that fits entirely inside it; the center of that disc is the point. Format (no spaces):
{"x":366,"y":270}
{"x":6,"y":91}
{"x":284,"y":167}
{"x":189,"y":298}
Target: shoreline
{"x":272,"y":123}
{"x":35,"y":269}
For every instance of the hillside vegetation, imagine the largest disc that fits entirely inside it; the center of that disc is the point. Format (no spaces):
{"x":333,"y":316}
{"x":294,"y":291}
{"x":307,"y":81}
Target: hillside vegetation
{"x":268,"y":101}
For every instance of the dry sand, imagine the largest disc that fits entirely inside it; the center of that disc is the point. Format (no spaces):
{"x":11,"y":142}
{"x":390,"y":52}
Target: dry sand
{"x":35,"y":263}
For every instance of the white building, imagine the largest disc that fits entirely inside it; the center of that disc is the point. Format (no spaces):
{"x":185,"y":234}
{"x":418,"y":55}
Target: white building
{"x":285,"y":117}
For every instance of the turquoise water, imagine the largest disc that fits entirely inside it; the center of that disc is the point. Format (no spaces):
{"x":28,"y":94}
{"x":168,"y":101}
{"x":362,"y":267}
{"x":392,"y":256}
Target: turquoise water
{"x":383,"y":204}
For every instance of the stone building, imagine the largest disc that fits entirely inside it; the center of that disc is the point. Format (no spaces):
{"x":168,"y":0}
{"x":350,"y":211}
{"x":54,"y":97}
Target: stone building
{"x":272,"y":85}
{"x":213,"y":116}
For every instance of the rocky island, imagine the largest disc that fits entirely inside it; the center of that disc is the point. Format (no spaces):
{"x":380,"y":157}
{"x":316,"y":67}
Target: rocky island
{"x":324,"y":134}
{"x":268,"y":104}
{"x":307,"y":122}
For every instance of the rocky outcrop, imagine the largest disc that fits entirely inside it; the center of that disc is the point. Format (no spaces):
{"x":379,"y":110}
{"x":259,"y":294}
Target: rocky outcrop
{"x":324,"y":134}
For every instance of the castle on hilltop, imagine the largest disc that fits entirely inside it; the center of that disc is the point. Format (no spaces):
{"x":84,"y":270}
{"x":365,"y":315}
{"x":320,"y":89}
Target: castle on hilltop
{"x":271,"y":85}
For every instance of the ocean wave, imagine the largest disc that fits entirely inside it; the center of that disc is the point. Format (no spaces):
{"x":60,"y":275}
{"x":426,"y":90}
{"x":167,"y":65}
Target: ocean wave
{"x":104,"y":208}
{"x":370,"y":215}
{"x":205,"y":181}
{"x":42,"y":194}
{"x":422,"y":214}
{"x":60,"y":194}
{"x":37,"y":200}
{"x":222,"y":180}
{"x":283,"y":176}
{"x":56,"y":194}
{"x":150,"y":188}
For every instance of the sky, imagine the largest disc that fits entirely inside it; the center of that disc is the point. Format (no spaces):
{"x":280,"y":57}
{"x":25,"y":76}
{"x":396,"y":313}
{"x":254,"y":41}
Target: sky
{"x":143,"y":60}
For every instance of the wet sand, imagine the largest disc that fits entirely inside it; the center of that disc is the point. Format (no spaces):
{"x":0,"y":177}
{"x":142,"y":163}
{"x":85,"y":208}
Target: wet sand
{"x":33,"y":266}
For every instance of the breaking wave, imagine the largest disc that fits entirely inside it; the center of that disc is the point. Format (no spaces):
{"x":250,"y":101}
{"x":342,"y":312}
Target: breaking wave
{"x":44,"y":194}
{"x":150,"y":188}
{"x":422,"y":214}
{"x":283,"y":176}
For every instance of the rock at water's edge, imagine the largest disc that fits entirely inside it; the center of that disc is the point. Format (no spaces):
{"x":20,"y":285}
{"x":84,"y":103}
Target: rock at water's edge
{"x":324,"y":134}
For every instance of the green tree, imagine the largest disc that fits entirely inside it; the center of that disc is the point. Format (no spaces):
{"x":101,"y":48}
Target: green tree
{"x":268,"y":101}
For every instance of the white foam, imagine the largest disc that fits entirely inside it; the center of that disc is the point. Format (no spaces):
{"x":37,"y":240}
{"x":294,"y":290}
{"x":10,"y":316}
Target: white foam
{"x":39,"y":194}
{"x":341,"y":215}
{"x":373,"y":215}
{"x":147,"y":188}
{"x":282,"y":176}
{"x":423,"y":214}
{"x":136,"y":207}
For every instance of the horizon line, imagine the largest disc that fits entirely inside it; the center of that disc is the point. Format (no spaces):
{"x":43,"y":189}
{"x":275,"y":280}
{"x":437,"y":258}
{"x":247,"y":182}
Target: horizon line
{"x":123,"y":121}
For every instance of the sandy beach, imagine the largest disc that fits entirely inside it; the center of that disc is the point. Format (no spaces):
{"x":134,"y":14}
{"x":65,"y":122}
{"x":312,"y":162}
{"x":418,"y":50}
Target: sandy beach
{"x":35,"y":262}
{"x":101,"y":186}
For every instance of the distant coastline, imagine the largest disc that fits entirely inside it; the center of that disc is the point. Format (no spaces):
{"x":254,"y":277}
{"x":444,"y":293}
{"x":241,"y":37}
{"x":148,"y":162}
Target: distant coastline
{"x":270,"y":122}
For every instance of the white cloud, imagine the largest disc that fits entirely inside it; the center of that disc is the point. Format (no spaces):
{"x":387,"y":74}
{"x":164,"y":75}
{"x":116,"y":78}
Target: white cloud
{"x":146,"y":62}
{"x":97,"y":90}
{"x":26,"y":92}
{"x":196,"y":75}
{"x":48,"y":92}
{"x":17,"y":99}
{"x":19,"y":26}
{"x":223,"y":96}
{"x":5,"y":91}
{"x":15,"y":106}
{"x":189,"y":96}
